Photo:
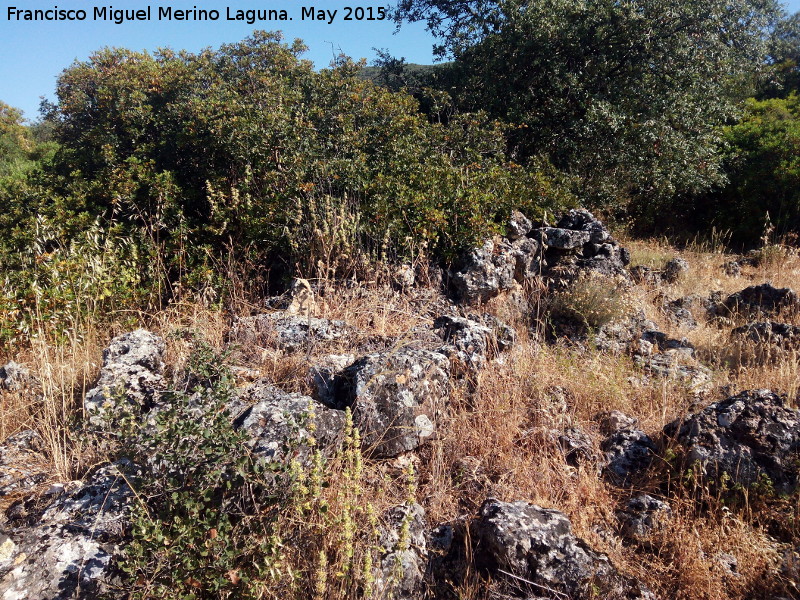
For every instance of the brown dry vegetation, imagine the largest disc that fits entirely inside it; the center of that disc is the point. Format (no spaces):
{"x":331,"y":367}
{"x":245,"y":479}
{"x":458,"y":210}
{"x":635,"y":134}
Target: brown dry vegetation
{"x":499,"y":441}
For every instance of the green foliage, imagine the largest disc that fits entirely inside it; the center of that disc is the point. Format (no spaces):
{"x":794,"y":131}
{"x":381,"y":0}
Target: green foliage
{"x":763,"y":164}
{"x":242,"y":145}
{"x":628,"y":96}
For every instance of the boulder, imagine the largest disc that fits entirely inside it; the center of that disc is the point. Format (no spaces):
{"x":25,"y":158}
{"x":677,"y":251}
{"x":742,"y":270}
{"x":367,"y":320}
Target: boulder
{"x":747,"y":436}
{"x":397,"y":398}
{"x":485,"y":272}
{"x":642,"y":516}
{"x":763,"y":299}
{"x":286,"y":332}
{"x":321,"y":375}
{"x":535,"y":548}
{"x":282,"y":426}
{"x":675,"y":269}
{"x":132,"y":373}
{"x":576,"y":446}
{"x":401,"y":568}
{"x":562,"y":239}
{"x":678,"y":365}
{"x":62,"y":544}
{"x":518,"y":226}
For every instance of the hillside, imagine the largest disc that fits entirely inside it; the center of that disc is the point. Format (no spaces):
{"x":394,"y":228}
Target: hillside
{"x":564,"y":415}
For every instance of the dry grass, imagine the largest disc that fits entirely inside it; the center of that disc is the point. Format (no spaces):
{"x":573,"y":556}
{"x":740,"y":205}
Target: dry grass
{"x":502,"y":438}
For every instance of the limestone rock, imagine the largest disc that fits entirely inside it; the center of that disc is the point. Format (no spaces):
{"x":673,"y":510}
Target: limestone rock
{"x":15,"y":377}
{"x":403,"y":545}
{"x":537,"y":544}
{"x":65,"y":541}
{"x":285,"y":331}
{"x":486,"y":271}
{"x":518,"y":225}
{"x":284,"y":426}
{"x":644,"y":515}
{"x":471,"y":343}
{"x":675,"y":269}
{"x":397,"y":398}
{"x":132,"y":372}
{"x":747,"y":436}
{"x":761,"y":299}
{"x":628,"y":452}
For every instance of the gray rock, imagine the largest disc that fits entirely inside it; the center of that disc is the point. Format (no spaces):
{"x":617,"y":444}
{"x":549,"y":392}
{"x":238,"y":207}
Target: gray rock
{"x":732,"y":268}
{"x":65,"y":541}
{"x":613,"y":421}
{"x":528,"y":259}
{"x":562,"y":239}
{"x":679,"y":311}
{"x":534,"y":544}
{"x":396,"y":397}
{"x":283,"y":426}
{"x":761,"y":299}
{"x":322,"y":374}
{"x":576,"y":446}
{"x":677,"y":365}
{"x":486,"y":272}
{"x":21,"y":465}
{"x":675,"y":269}
{"x":518,"y":225}
{"x":628,"y":453}
{"x":400,"y":571}
{"x":747,"y":436}
{"x":780,"y":335}
{"x":642,"y":516}
{"x":15,"y":377}
{"x":470,"y":343}
{"x":132,"y":373}
{"x":285,"y":331}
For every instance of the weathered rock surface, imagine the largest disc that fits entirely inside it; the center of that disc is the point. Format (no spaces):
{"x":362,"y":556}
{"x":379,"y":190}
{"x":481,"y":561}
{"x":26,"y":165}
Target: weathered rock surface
{"x":285,"y":331}
{"x":132,"y":372}
{"x":747,"y":436}
{"x":518,"y":225}
{"x":472,"y":344}
{"x":322,"y":374}
{"x":283,"y":426}
{"x":780,"y":335}
{"x":762,"y":299}
{"x":678,"y":365}
{"x":486,"y":271}
{"x":15,"y":377}
{"x":61,"y":544}
{"x":577,"y":446}
{"x":628,"y":450}
{"x":675,"y":269}
{"x":680,"y":311}
{"x":537,"y":545}
{"x":642,"y":516}
{"x":396,"y":398}
{"x":401,"y":571}
{"x":21,"y":465}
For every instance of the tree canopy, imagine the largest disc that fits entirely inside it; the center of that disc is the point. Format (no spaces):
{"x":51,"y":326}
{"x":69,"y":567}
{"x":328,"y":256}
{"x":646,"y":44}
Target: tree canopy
{"x":629,"y":96}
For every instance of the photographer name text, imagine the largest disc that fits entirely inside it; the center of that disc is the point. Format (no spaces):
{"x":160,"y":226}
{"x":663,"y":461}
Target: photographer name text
{"x":167,"y":13}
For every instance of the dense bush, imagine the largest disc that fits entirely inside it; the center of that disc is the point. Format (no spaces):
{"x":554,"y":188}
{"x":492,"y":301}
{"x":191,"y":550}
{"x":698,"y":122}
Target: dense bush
{"x":245,"y":144}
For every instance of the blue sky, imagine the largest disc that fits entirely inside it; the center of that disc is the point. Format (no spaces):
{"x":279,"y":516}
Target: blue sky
{"x":32,"y":54}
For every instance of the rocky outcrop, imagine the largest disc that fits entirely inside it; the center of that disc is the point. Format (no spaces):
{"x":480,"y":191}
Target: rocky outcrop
{"x":400,"y":572}
{"x":131,"y":378}
{"x":747,"y":436}
{"x":282,"y":426}
{"x":535,"y":548}
{"x":285,"y":331}
{"x":396,"y":397}
{"x":577,"y":244}
{"x":761,"y":299}
{"x":642,"y":516}
{"x":62,"y":544}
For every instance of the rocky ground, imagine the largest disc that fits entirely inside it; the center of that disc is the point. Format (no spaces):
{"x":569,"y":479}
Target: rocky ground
{"x":582,"y":418}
